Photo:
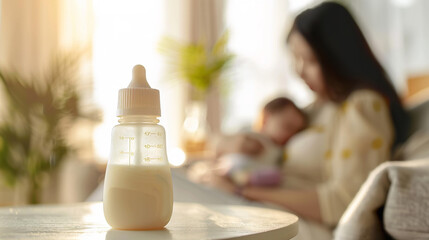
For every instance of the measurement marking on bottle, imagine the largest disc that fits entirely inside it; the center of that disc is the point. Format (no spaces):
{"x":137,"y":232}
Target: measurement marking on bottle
{"x":153,"y":146}
{"x":123,"y":138}
{"x":131,"y":153}
{"x":148,"y":159}
{"x":129,"y":147}
{"x":159,"y":134}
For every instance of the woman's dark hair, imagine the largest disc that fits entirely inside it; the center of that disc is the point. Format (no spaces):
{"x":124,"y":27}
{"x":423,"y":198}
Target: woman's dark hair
{"x":346,"y":59}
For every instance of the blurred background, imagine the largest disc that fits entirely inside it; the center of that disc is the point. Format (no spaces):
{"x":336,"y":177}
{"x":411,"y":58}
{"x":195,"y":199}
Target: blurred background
{"x":215,"y":62}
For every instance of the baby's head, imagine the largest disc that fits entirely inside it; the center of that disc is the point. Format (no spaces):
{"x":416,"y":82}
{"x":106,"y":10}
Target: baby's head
{"x":281,"y":119}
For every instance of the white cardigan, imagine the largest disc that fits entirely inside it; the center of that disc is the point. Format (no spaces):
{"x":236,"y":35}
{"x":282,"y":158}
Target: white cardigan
{"x":339,"y":149}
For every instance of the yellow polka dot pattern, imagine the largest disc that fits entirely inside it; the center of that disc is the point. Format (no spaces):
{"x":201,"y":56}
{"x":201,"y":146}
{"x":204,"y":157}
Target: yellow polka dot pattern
{"x":344,"y":107}
{"x":377,"y":143}
{"x":328,"y":155}
{"x":285,"y":156}
{"x":318,"y":129}
{"x":346,"y":153}
{"x":376,"y":105}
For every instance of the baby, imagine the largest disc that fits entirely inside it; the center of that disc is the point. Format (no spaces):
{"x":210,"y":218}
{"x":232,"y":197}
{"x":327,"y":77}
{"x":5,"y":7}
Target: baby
{"x":253,"y":158}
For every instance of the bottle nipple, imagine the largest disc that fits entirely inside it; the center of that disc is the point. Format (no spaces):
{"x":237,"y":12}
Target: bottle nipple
{"x":139,"y":78}
{"x":138,"y":98}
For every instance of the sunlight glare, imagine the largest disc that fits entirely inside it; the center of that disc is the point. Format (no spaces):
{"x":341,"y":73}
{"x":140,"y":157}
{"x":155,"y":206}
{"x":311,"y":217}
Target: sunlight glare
{"x":176,"y":157}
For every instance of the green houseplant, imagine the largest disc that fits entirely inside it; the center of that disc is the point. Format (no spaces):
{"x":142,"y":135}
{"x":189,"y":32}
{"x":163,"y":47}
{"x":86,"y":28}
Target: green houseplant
{"x":200,"y":65}
{"x":36,"y":114}
{"x":197,"y":63}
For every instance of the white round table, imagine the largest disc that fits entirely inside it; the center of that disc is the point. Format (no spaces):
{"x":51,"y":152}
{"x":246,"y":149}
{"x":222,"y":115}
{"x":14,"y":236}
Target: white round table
{"x":189,"y":221}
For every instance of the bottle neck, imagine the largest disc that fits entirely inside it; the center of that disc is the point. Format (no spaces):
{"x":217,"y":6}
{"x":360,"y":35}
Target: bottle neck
{"x":138,"y":119}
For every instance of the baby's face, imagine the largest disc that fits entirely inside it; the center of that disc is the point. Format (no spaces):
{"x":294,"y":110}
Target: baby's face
{"x":282,"y":125}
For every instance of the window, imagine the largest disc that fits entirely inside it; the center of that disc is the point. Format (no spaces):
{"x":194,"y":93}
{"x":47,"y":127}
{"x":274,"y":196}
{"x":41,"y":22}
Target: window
{"x":261,"y":70}
{"x":126,"y":33}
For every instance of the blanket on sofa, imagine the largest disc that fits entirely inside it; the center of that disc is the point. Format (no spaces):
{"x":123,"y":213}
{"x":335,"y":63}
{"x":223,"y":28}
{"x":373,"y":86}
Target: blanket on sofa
{"x":400,"y":191}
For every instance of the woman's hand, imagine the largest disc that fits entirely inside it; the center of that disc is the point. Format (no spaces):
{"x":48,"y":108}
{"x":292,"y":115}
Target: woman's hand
{"x":206,"y":173}
{"x":222,"y":183}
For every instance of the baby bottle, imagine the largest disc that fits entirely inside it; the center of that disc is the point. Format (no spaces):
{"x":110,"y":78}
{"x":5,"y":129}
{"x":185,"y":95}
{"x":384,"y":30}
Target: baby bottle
{"x":138,"y":192}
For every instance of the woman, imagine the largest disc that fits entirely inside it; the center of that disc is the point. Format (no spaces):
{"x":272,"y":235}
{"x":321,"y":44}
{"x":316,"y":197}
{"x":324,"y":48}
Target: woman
{"x":355,"y":122}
